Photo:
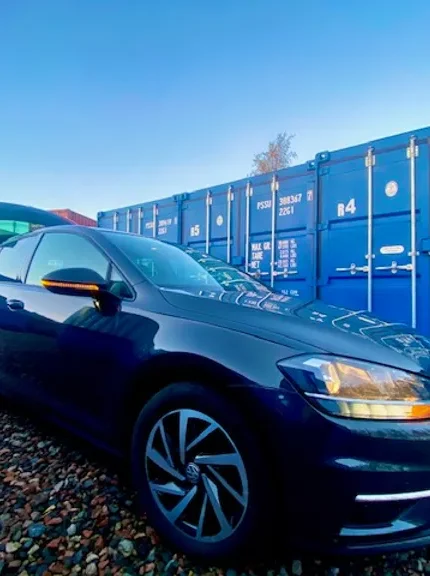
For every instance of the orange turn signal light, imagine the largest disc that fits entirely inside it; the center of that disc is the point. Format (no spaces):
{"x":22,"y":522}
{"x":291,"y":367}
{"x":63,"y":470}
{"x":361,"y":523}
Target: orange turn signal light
{"x":71,"y":285}
{"x":420,"y":412}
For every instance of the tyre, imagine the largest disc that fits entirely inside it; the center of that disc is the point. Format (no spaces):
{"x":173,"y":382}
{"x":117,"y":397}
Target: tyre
{"x":199,"y":474}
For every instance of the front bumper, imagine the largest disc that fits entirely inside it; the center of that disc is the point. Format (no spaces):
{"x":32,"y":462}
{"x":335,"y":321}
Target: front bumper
{"x":347,"y":486}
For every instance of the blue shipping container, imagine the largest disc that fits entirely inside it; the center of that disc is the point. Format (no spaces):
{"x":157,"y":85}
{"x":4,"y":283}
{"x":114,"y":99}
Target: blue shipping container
{"x":350,"y":227}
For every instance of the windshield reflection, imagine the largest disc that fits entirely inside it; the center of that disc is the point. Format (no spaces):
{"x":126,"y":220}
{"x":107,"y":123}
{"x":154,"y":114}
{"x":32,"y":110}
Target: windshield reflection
{"x":226,"y":276}
{"x":177,"y":267}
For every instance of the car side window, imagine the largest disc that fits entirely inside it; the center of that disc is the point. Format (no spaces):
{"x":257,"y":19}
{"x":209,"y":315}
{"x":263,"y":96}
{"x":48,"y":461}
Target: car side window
{"x":15,"y":255}
{"x":118,"y":286}
{"x":58,"y":251}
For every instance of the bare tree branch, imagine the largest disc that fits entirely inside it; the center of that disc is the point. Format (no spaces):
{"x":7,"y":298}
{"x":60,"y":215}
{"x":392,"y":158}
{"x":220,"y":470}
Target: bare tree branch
{"x":278,"y":155}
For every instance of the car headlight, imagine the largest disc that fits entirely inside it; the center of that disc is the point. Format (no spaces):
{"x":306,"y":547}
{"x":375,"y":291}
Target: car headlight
{"x":356,"y":389}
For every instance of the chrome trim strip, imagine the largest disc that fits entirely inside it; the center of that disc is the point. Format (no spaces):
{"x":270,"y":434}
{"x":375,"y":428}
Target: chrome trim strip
{"x":400,"y":496}
{"x":397,"y":526}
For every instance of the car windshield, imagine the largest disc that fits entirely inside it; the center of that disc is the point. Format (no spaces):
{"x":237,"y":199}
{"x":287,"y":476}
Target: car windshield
{"x":180,"y":267}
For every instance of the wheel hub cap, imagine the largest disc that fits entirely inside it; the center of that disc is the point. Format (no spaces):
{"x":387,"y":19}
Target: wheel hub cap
{"x":192,"y":472}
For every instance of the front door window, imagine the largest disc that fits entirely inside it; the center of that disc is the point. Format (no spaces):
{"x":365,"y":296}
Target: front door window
{"x":62,"y":250}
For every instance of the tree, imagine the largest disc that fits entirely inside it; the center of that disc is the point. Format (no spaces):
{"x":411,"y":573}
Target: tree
{"x":278,"y":155}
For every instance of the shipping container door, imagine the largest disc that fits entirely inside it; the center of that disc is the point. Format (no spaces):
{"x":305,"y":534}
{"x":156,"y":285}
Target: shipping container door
{"x":122,"y":220}
{"x":258,"y":226}
{"x":374,"y":217}
{"x":278,"y":246}
{"x":400,"y":283}
{"x":294,"y":249}
{"x":167,"y":222}
{"x":220,"y":216}
{"x":106,"y":220}
{"x":342,"y":237}
{"x":148,"y":220}
{"x":135,"y":222}
{"x":194,"y":216}
{"x":208,"y":222}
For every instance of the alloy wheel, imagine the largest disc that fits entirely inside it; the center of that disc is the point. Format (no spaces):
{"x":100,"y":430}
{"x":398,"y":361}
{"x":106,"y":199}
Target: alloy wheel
{"x":196,"y":475}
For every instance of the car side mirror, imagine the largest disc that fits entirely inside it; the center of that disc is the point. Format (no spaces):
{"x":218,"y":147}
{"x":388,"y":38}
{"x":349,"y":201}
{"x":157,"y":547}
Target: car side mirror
{"x":75,"y":282}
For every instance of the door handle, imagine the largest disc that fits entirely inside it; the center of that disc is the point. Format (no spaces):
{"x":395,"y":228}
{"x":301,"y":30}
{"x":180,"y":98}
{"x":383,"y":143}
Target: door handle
{"x":353,"y":269}
{"x":13,"y":304}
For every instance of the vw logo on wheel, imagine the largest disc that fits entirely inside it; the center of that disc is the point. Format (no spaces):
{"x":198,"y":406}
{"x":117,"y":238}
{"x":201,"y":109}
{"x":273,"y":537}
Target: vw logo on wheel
{"x":192,"y":473}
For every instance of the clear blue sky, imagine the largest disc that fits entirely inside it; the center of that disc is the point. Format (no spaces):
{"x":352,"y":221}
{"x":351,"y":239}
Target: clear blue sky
{"x":106,"y":103}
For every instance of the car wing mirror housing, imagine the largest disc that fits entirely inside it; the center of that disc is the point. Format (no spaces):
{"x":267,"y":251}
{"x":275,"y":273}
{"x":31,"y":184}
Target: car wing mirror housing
{"x":75,"y":282}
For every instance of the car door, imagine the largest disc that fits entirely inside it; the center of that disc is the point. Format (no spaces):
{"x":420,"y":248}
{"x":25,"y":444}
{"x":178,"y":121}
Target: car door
{"x":15,"y":341}
{"x":76,"y":355}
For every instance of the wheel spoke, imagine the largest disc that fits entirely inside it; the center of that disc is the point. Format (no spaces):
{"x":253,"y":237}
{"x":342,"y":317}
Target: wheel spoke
{"x":158,"y":459}
{"x":183,"y":426}
{"x":226,"y":485}
{"x":169,"y":488}
{"x":174,"y":514}
{"x":211,"y":428}
{"x":202,"y":517}
{"x":165,"y":443}
{"x":212,"y":492}
{"x":219,"y":459}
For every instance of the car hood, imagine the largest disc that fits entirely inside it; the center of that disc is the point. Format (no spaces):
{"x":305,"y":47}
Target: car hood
{"x":324,"y":327}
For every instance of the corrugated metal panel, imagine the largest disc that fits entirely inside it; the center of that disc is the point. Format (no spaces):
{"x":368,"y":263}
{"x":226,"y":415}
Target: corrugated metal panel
{"x":351,"y":227}
{"x":75,"y":217}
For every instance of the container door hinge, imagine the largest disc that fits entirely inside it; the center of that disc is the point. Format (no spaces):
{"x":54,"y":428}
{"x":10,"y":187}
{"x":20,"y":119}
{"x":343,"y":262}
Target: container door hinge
{"x":412,"y":150}
{"x":274,"y":185}
{"x":370,"y":159}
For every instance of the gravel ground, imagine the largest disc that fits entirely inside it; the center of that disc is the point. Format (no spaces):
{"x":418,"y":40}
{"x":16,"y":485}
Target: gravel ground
{"x":63,"y":511}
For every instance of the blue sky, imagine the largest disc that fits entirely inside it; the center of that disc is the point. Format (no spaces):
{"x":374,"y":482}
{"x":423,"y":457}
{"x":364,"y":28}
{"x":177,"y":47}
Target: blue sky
{"x":106,"y":103}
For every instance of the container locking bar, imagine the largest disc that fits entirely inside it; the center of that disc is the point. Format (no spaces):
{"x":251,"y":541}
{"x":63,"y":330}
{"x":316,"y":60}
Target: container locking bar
{"x":154,"y":220}
{"x":129,"y":217}
{"x":139,"y":221}
{"x":208,"y":220}
{"x":370,"y":163}
{"x":230,"y":198}
{"x":412,"y":153}
{"x":274,"y":187}
{"x":115,"y":220}
{"x":247,"y":223}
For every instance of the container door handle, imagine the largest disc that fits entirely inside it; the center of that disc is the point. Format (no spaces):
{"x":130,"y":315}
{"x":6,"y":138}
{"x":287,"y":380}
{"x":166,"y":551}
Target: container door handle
{"x":395,"y":267}
{"x":13,"y":304}
{"x":353,"y":269}
{"x":284,"y":273}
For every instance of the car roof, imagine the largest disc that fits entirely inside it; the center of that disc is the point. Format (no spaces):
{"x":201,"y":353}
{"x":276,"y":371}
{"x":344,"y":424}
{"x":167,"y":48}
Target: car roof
{"x":90,"y":231}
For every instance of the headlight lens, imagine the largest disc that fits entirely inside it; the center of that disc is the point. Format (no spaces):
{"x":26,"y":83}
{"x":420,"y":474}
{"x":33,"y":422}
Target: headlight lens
{"x":356,"y":389}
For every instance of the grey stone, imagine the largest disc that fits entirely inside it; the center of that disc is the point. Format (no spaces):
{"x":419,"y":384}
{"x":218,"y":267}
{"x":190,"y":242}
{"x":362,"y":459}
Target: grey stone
{"x":12,"y":547}
{"x":126,"y":548}
{"x":91,"y":570}
{"x":71,"y":530}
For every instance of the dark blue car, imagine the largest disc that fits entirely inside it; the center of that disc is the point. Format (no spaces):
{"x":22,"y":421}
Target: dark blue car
{"x":238,"y":407}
